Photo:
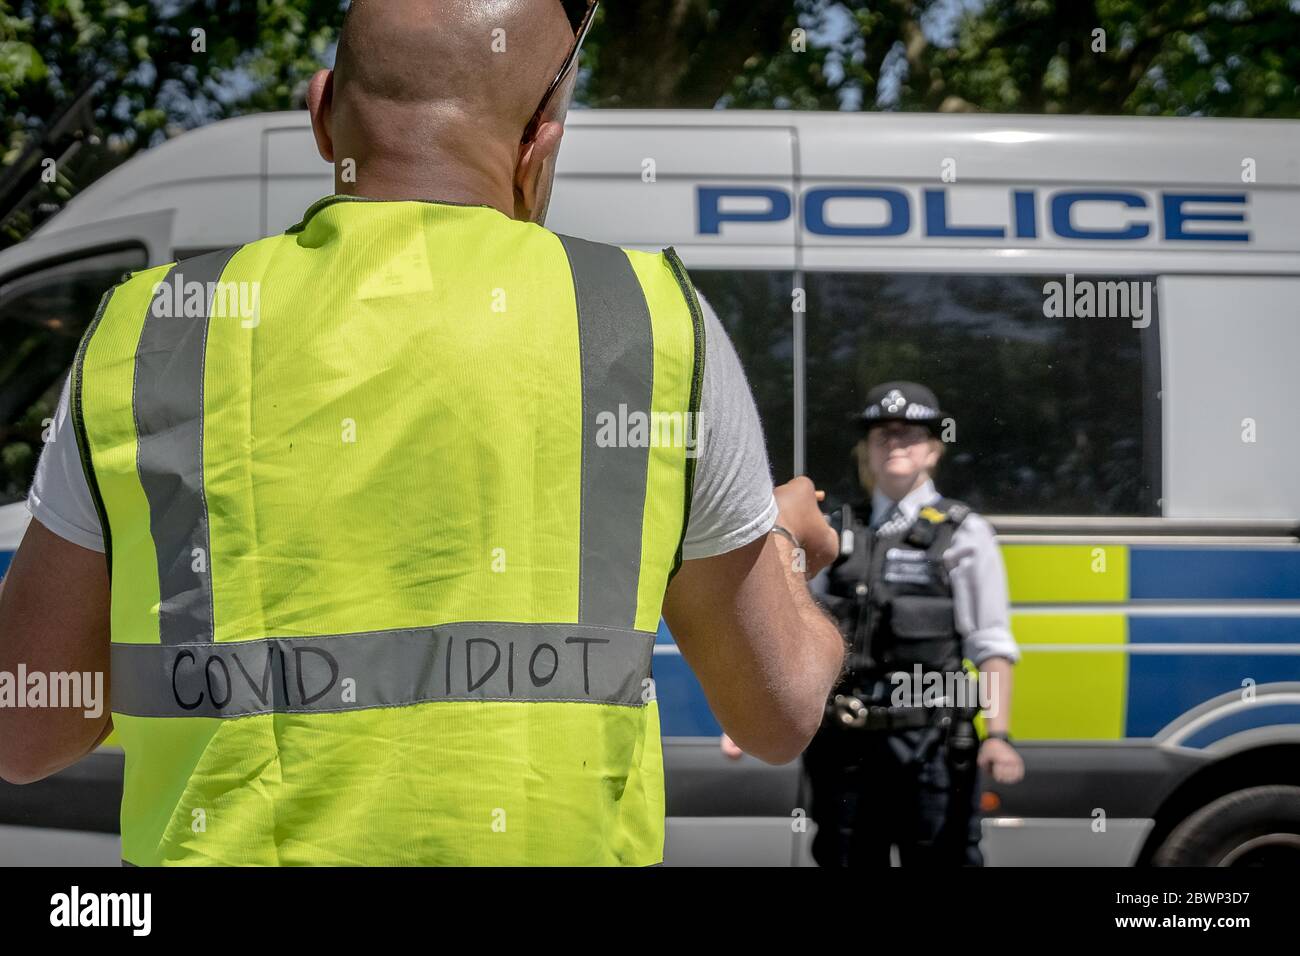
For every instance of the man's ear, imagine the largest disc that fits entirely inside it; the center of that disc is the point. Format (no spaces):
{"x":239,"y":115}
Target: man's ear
{"x":534,"y":170}
{"x":320,"y":103}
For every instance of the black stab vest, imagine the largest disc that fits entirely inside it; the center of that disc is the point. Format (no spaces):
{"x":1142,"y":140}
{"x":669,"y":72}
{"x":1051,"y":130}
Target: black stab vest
{"x":892,"y":595}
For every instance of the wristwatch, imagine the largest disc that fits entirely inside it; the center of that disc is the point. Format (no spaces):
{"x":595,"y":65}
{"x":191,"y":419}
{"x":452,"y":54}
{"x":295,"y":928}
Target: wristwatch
{"x":1001,"y":735}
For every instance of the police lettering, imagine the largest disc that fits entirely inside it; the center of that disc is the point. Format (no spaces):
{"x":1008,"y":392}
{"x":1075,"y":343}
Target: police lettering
{"x":883,"y":212}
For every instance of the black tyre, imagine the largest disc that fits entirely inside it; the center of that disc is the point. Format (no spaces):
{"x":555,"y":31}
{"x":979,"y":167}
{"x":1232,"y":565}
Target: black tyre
{"x":1259,"y":826}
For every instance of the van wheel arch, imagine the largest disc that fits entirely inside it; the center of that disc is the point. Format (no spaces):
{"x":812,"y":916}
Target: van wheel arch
{"x":1273,"y":765}
{"x":1257,"y":826}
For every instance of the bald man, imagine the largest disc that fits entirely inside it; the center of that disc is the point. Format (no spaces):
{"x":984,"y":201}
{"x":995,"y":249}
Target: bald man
{"x":369,"y":584}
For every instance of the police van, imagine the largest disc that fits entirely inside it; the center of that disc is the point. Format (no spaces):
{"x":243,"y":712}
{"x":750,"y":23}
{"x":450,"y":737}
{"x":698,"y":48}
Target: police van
{"x":1109,"y":307}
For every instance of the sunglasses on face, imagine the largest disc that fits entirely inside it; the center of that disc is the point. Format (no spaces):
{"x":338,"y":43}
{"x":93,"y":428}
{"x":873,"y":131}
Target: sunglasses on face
{"x":580,"y":14}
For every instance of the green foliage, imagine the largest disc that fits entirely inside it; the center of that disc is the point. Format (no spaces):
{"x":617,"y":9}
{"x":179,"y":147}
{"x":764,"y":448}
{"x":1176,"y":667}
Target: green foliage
{"x":1174,"y":57}
{"x":162,"y":65}
{"x":157,"y":68}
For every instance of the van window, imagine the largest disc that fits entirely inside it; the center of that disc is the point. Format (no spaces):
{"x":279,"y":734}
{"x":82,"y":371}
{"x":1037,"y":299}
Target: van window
{"x":754,"y":308}
{"x":42,"y":317}
{"x":1054,"y":415}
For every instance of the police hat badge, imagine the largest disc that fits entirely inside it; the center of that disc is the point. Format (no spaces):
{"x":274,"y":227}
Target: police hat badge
{"x":902,"y":402}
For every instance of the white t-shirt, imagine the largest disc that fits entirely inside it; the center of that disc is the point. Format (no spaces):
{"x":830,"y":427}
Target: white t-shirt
{"x":732,"y":504}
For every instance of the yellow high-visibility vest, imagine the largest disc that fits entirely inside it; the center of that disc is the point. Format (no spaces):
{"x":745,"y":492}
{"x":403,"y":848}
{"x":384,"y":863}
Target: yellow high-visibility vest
{"x":391,"y":502}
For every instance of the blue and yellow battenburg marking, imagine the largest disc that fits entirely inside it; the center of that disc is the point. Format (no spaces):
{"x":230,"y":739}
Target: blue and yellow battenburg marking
{"x":1090,"y":669}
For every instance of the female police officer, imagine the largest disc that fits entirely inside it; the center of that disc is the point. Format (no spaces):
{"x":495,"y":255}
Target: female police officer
{"x":919,"y":585}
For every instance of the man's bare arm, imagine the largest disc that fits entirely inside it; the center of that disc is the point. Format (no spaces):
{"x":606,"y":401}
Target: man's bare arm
{"x":766,"y":655}
{"x":54,"y":618}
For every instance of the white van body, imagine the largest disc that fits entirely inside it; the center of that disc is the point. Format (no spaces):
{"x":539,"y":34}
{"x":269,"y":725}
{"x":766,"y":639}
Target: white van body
{"x":800,"y":204}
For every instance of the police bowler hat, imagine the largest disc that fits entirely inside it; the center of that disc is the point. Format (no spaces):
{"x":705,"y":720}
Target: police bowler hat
{"x":902,"y":402}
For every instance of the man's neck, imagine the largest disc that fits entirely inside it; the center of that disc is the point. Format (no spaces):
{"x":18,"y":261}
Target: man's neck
{"x":431,"y":180}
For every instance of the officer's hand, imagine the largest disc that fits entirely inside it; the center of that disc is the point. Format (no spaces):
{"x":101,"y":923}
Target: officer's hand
{"x":730,"y":749}
{"x":796,"y":503}
{"x":999,"y":760}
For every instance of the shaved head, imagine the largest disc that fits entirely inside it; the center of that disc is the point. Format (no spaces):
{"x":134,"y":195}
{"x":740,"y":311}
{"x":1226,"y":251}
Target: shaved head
{"x":434,"y":95}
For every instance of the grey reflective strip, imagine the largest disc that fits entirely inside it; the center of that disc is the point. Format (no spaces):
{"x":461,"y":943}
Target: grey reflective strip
{"x":472,"y":661}
{"x":617,"y":381}
{"x":168,"y":404}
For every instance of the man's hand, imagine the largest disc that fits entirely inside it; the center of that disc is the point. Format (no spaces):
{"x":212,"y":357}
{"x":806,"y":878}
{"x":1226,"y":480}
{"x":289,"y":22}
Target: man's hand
{"x":765,"y":654}
{"x":796,"y":503}
{"x":999,"y":760}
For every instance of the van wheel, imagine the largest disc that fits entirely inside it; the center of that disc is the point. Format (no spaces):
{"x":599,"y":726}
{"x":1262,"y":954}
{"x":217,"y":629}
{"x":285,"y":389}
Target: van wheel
{"x":1255,"y":827}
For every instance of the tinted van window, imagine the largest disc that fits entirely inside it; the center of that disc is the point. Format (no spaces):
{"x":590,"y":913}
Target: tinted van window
{"x":754,"y":308}
{"x":1054,"y":415}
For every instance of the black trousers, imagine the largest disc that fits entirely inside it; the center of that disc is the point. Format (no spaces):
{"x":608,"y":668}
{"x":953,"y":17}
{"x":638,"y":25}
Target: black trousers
{"x":875,"y":789}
